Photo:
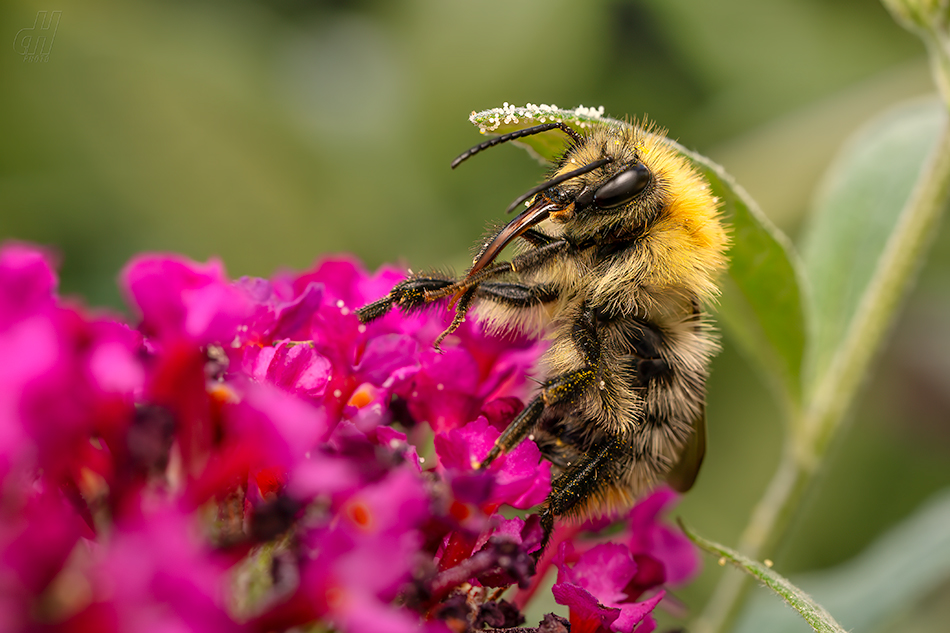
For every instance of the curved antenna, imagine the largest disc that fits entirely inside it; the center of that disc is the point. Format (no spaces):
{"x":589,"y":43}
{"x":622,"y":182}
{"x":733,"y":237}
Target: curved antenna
{"x":589,"y":167}
{"x":511,"y":136}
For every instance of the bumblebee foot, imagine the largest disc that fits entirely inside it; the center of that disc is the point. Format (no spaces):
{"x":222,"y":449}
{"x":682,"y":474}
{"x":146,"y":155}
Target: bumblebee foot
{"x":547,"y":526}
{"x":376,"y":309}
{"x":461,"y":309}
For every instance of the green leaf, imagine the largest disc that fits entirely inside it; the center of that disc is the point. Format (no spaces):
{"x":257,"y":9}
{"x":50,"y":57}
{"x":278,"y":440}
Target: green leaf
{"x":895,"y":572}
{"x":762,"y":301}
{"x":857,"y":211}
{"x":817,"y":617}
{"x":546,"y":146}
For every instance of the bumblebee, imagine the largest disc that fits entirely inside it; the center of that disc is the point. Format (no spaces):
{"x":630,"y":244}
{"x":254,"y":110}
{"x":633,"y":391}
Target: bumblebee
{"x":620,"y":249}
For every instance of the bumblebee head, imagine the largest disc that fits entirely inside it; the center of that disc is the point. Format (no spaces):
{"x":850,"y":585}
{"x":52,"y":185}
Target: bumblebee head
{"x":618,"y":181}
{"x":611,"y":180}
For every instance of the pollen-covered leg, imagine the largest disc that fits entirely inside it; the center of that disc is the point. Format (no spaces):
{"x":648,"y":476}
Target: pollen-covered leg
{"x":515,"y":307}
{"x":566,"y":387}
{"x":558,"y":389}
{"x":420,"y":291}
{"x":408,"y":295}
{"x":572,"y":490}
{"x":462,"y":306}
{"x":509,"y":299}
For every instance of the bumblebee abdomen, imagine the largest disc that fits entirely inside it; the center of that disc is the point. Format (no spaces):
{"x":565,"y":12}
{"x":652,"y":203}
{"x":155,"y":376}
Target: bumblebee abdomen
{"x":649,"y":396}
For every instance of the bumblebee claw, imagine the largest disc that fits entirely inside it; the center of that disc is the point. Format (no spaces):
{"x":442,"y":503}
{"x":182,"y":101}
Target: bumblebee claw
{"x":547,"y":527}
{"x":461,"y":310}
{"x":437,"y":345}
{"x":492,"y":456}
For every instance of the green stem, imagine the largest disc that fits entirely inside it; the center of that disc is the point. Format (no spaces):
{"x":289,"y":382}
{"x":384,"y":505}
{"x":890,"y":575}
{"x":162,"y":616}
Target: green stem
{"x":939,"y":64}
{"x":768,"y":521}
{"x":823,"y":415}
{"x":895,"y":271}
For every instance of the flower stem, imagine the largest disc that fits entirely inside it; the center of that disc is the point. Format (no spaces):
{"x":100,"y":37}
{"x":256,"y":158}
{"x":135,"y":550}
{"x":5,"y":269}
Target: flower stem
{"x":767,"y":523}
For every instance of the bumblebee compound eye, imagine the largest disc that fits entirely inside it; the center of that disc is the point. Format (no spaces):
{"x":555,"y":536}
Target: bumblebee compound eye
{"x":623,"y":187}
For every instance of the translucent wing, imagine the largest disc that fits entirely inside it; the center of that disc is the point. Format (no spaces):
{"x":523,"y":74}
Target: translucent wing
{"x":683,"y":475}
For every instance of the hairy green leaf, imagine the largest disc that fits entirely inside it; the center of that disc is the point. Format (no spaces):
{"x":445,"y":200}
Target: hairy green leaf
{"x":817,"y":617}
{"x":762,"y":302}
{"x":547,"y":146}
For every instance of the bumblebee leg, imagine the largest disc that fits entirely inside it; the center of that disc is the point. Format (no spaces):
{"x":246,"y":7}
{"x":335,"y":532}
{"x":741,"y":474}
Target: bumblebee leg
{"x":461,"y":309}
{"x":416,"y":292}
{"x":537,"y":238}
{"x":514,"y":294}
{"x":563,"y":388}
{"x":555,"y":390}
{"x":516,"y":431}
{"x":525,"y":262}
{"x":511,"y":294}
{"x":409,"y":295}
{"x":578,"y":482}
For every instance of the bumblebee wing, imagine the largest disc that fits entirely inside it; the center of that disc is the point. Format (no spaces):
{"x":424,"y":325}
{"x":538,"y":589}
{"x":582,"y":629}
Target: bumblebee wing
{"x":683,"y":474}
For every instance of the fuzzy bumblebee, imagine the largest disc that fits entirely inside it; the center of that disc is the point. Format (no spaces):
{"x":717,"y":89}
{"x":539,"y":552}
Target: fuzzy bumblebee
{"x":619,"y":252}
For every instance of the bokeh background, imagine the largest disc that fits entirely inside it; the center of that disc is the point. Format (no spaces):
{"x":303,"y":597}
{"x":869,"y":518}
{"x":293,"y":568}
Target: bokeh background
{"x":271,"y":132}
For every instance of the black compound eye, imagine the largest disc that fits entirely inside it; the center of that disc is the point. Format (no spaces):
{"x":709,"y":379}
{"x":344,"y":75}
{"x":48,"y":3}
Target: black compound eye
{"x":623,"y":187}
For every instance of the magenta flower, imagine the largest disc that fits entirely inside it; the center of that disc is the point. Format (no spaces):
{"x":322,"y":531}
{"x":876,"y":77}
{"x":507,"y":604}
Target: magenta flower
{"x":298,"y":368}
{"x":253,"y":458}
{"x":360,"y":557}
{"x":157,"y":574}
{"x":450,"y":389}
{"x":265,"y":434}
{"x":661,"y":541}
{"x":594,"y":590}
{"x":65,"y":377}
{"x":27,"y":283}
{"x":179,"y":298}
{"x":37,"y":535}
{"x":305,"y":337}
{"x":520,"y":478}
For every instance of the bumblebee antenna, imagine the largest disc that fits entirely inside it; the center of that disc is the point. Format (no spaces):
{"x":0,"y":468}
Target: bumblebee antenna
{"x":511,"y":136}
{"x":589,"y":167}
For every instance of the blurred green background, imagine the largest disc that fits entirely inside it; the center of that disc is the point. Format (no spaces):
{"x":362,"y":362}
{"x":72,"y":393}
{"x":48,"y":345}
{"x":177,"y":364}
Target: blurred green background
{"x":271,"y":132}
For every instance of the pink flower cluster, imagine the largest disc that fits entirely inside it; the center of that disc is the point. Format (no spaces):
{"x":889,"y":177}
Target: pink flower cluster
{"x":249,"y":457}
